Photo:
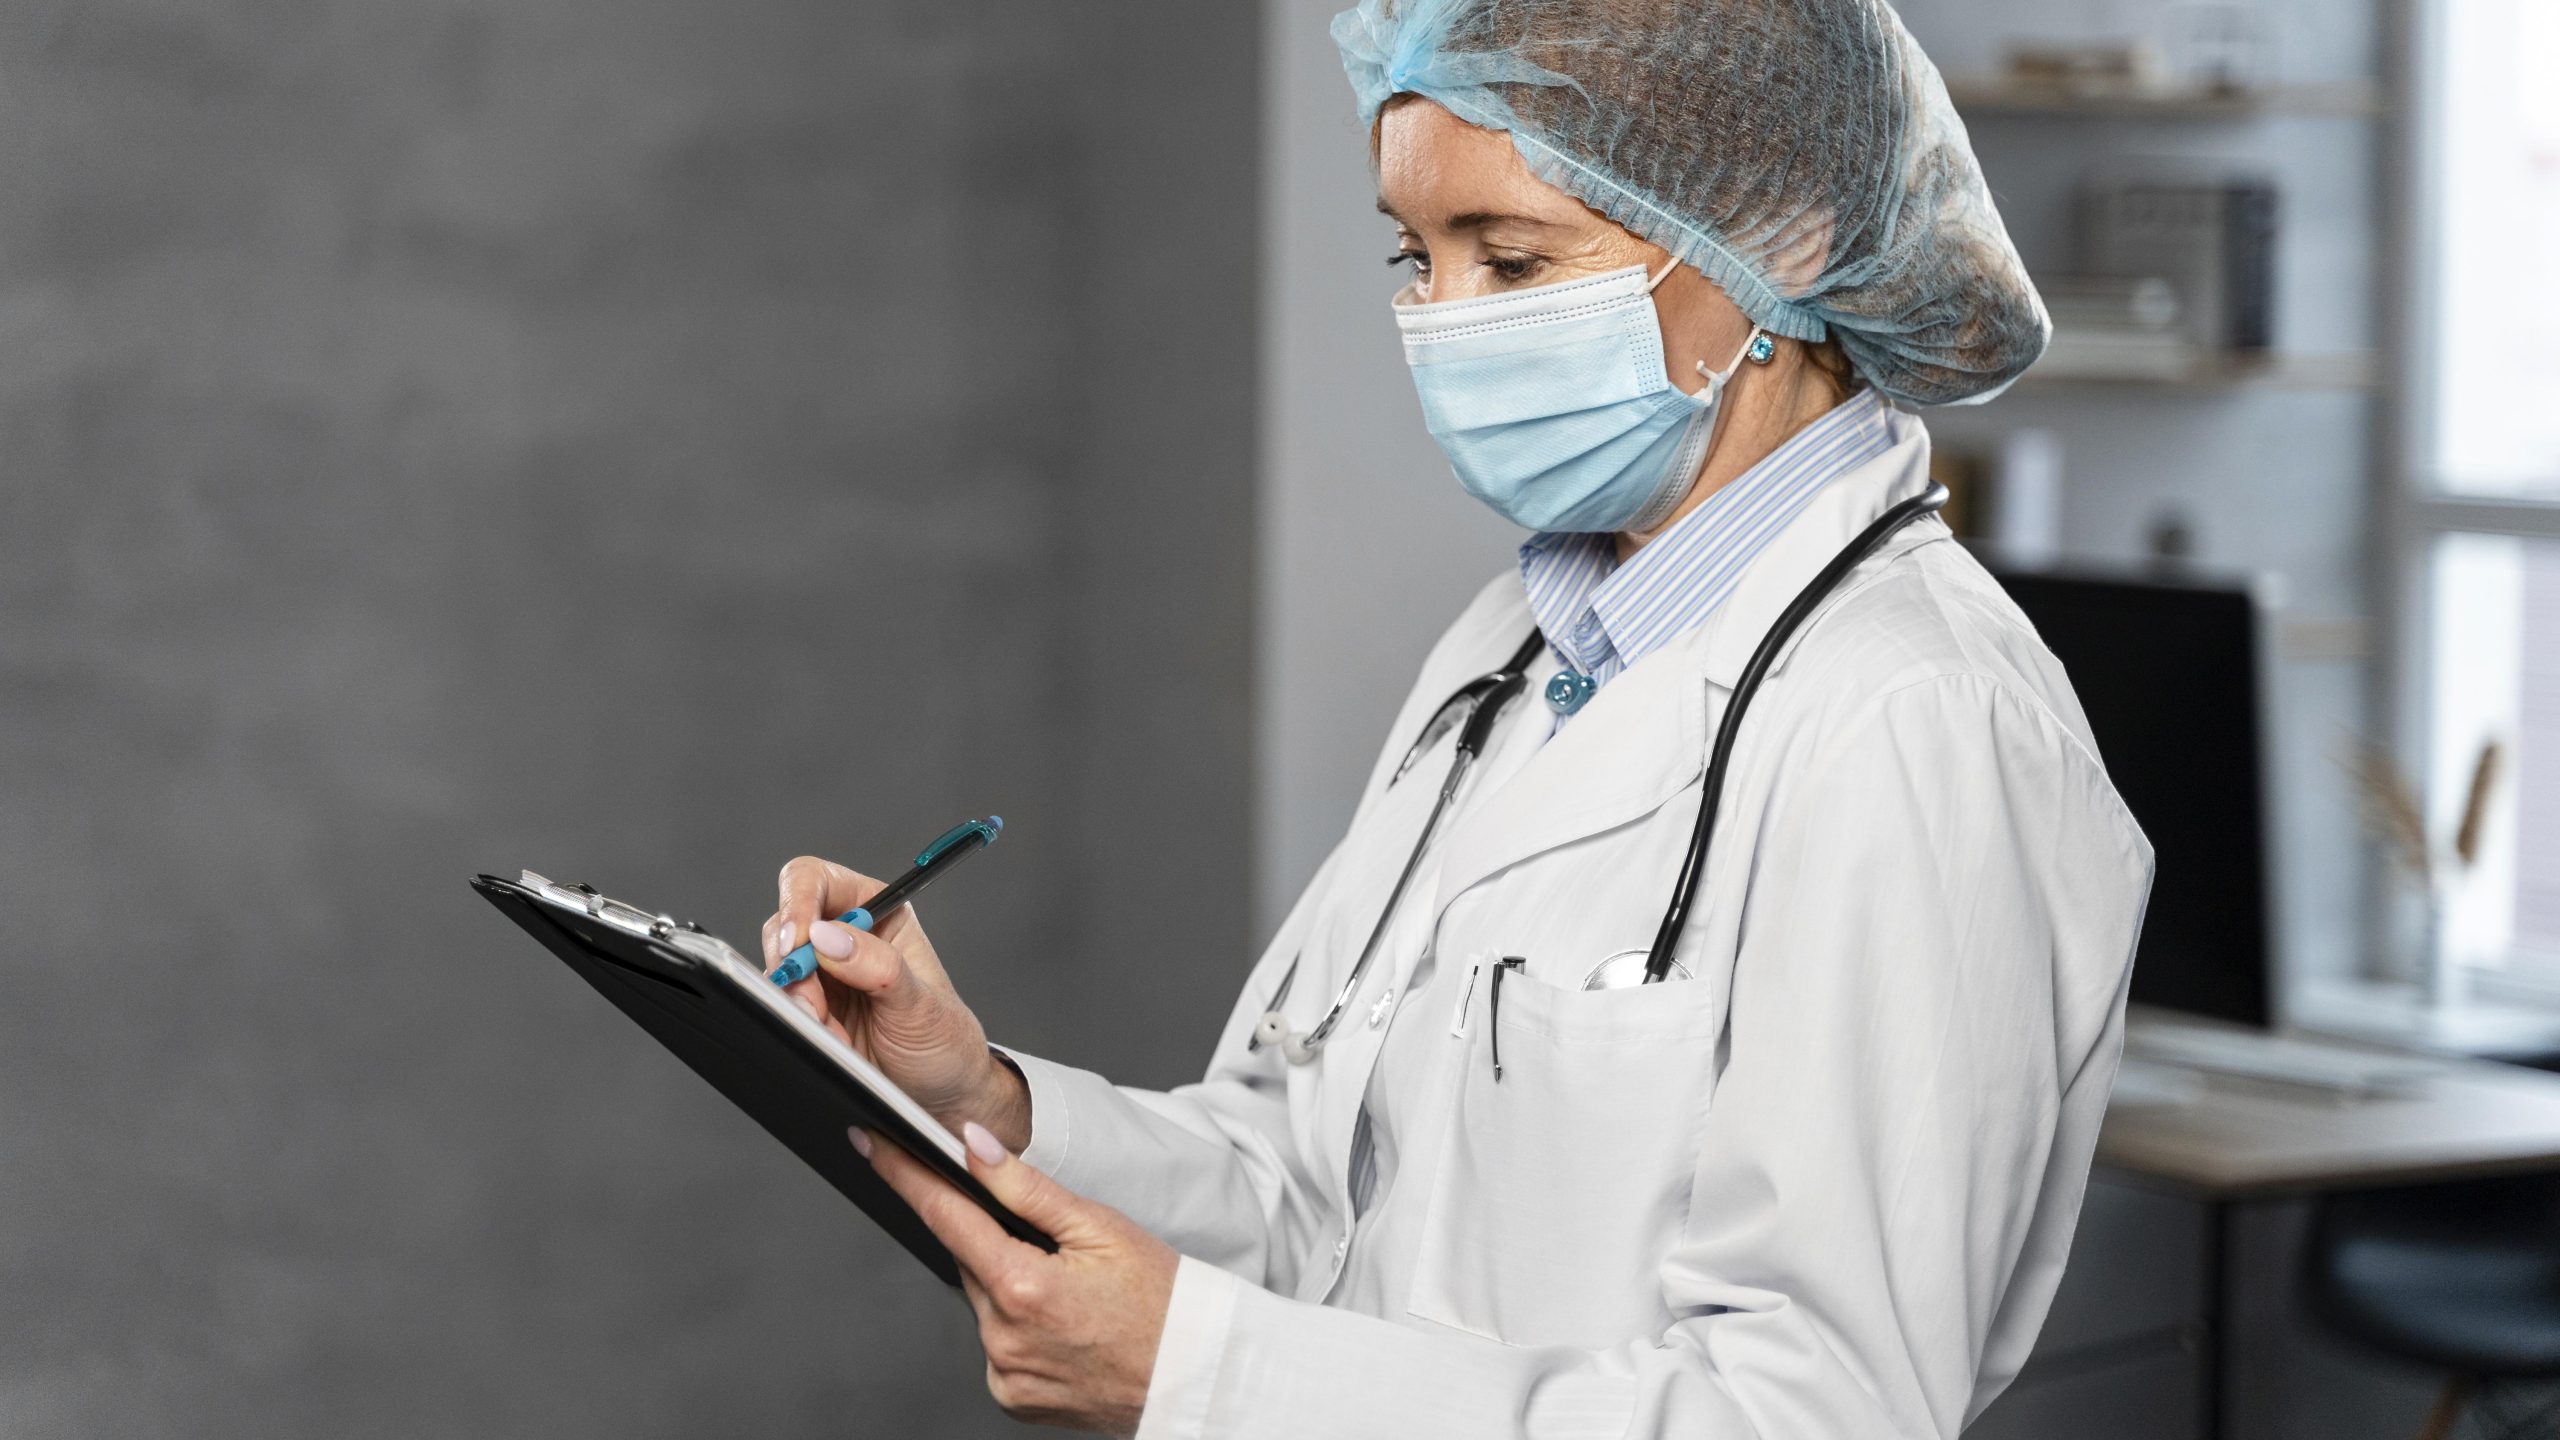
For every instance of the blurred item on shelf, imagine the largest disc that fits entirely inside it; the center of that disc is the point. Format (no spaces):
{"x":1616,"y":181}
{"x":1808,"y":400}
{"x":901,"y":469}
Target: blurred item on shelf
{"x":2221,"y":46}
{"x":1961,"y":471}
{"x":2086,"y":67}
{"x":2169,"y":541}
{"x":2109,"y":327}
{"x":2024,"y":519}
{"x":2133,"y":302}
{"x":2209,"y":370}
{"x":1981,"y":97}
{"x":2211,"y":238}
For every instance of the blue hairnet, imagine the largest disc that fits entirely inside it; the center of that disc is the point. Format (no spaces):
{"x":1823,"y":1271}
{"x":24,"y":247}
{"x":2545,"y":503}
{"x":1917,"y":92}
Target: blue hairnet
{"x":1802,"y":154}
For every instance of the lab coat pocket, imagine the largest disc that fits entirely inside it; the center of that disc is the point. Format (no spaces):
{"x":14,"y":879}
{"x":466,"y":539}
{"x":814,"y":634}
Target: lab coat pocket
{"x":1564,"y":1183}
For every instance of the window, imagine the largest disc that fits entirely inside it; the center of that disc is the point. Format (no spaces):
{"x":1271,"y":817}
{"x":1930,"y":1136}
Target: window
{"x":2495,"y":654}
{"x":2496,"y":161}
{"x":2483,"y":502}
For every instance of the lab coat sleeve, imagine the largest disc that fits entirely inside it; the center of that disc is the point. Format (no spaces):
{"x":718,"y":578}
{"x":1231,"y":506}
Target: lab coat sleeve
{"x":1210,"y":1168}
{"x":1920,"y":1047}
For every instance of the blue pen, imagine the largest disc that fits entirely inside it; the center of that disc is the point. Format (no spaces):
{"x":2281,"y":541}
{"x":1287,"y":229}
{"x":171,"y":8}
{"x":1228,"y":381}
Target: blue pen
{"x":964,"y":839}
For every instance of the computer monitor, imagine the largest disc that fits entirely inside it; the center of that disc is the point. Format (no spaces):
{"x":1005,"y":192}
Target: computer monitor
{"x":2168,"y":673}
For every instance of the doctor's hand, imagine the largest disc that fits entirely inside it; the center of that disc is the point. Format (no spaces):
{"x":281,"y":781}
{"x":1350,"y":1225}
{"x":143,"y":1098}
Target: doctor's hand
{"x":1071,"y":1337}
{"x":887,"y":996}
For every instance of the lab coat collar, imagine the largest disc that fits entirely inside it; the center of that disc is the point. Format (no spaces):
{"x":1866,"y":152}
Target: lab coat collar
{"x":1643,"y":738}
{"x":1638,"y":743}
{"x":1723,"y":642}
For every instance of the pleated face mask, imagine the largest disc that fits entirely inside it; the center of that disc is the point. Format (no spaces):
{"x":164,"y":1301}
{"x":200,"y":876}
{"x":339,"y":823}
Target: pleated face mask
{"x":1554,"y":406}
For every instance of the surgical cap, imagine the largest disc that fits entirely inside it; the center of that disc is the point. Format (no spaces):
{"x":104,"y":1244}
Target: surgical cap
{"x":1802,"y":154}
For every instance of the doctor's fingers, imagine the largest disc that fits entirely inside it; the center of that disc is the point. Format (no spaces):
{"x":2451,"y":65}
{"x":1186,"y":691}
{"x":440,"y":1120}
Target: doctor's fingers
{"x":987,"y":1255}
{"x":862,"y":962}
{"x":1020,"y":1371}
{"x":811,"y":996}
{"x":814,"y":889}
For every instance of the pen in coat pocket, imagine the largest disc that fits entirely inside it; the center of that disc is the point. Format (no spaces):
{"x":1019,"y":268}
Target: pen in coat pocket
{"x":1493,"y":1008}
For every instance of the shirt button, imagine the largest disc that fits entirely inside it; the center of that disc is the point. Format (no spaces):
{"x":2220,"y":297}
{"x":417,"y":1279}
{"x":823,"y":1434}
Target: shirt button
{"x":1341,"y":1248}
{"x":1385,"y":1007}
{"x":1569,"y":690}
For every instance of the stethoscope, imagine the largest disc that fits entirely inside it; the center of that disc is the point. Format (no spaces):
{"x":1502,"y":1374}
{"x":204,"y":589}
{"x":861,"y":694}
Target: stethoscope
{"x":1481,"y":701}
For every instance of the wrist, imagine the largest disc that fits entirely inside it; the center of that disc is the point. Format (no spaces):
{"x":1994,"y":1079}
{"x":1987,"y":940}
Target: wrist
{"x":1004,"y":1104}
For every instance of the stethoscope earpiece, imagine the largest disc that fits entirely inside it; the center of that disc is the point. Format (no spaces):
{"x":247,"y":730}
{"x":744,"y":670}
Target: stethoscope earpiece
{"x":1271,"y":1029}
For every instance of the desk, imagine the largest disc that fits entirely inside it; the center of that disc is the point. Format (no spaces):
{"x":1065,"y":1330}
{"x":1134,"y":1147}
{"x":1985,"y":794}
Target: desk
{"x":2237,"y":1138}
{"x":2387,"y":1013}
{"x":2174,"y":1170}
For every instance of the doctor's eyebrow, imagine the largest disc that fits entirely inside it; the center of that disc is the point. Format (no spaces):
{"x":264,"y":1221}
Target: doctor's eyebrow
{"x":1471,"y":219}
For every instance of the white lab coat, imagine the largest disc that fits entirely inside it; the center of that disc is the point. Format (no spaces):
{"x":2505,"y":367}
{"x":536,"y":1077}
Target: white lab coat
{"x":1822,"y":1189}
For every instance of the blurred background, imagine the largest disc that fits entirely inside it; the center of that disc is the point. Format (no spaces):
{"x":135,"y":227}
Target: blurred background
{"x":644,"y":442}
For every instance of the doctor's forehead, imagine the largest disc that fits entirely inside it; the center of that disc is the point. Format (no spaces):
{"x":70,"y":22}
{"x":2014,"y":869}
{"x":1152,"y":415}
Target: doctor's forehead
{"x":1437,"y":172}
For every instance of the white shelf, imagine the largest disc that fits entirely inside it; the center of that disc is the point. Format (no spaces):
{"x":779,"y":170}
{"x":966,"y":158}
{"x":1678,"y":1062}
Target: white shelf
{"x":1995,"y":96}
{"x":2345,"y":370}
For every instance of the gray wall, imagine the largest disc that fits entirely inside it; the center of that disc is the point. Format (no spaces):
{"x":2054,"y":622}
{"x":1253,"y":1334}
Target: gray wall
{"x":441,"y":436}
{"x":1369,"y":548}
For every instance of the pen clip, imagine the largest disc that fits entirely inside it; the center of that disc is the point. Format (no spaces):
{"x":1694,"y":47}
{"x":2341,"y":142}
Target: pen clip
{"x":985,"y":831}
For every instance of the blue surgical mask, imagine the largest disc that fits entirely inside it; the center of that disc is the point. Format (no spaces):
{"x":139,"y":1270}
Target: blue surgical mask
{"x":1553,"y":404}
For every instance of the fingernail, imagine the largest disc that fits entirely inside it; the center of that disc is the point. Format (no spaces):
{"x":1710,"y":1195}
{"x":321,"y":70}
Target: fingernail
{"x":782,"y":938}
{"x":861,"y":1139}
{"x":833,"y":940}
{"x":983,"y":1144}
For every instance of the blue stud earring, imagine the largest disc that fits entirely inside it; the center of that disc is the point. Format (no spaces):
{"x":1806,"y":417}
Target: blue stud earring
{"x":1764,"y":348}
{"x":1570,"y":690}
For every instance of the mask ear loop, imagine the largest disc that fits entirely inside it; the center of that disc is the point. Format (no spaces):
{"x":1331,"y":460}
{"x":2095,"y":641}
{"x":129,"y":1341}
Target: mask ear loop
{"x":1759,"y":347}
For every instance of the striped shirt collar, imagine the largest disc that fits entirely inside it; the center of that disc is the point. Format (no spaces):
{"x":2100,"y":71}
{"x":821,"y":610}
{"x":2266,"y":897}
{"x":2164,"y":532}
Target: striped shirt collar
{"x":1601,"y":616}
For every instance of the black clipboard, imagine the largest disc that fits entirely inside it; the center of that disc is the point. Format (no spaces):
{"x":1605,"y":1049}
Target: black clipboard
{"x":722,"y":1017}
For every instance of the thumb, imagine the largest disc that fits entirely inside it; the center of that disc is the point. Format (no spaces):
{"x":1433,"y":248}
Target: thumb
{"x":1058,"y":1212}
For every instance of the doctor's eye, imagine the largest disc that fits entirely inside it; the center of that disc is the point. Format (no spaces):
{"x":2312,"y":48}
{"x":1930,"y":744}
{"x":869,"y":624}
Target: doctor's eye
{"x":1420,"y":262}
{"x":1514,"y":268}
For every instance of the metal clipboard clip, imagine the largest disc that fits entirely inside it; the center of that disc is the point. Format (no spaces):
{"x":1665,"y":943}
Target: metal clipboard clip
{"x":629,"y":919}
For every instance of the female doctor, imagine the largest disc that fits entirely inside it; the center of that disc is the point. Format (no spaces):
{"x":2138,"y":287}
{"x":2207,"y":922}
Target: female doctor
{"x":1552,"y":1111}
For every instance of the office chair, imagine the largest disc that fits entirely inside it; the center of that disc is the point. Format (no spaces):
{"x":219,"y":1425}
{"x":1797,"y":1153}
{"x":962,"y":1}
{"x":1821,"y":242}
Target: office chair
{"x":2462,"y":1276}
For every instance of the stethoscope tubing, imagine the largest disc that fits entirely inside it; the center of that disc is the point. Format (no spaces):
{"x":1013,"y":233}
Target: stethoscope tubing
{"x":1693,"y":864}
{"x":1395,"y":899}
{"x":1486,"y":695}
{"x":1489,"y":694}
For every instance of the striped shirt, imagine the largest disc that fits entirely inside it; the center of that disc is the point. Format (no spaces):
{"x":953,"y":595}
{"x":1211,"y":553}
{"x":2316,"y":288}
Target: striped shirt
{"x":1601,"y":616}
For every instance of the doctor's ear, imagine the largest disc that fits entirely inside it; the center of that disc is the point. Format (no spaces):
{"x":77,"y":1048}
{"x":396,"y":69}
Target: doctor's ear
{"x":1827,"y":358}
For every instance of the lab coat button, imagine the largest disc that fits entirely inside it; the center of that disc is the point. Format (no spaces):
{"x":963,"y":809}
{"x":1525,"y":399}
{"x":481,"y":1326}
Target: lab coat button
{"x":1341,"y":1248}
{"x":1379,"y":1012}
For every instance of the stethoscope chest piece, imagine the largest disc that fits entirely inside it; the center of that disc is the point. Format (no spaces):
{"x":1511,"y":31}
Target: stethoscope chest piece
{"x":1625,"y":970}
